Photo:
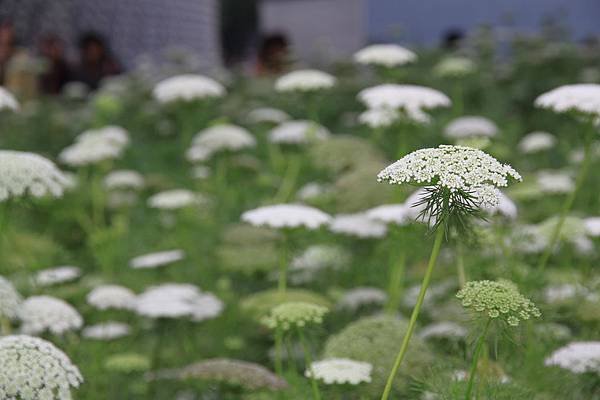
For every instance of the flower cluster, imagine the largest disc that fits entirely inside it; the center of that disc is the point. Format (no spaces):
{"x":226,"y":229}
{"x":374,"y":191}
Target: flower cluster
{"x":584,"y":98}
{"x":470,"y":126}
{"x":111,"y":296}
{"x":158,"y":259}
{"x":298,"y":132}
{"x":577,"y":357}
{"x":296,"y":314}
{"x":46,"y":313}
{"x":315,"y":258}
{"x":340,"y":371}
{"x":286,"y":216}
{"x":28,"y":173}
{"x":358,"y":225}
{"x":95,"y":146}
{"x":305,"y":80}
{"x":53,"y":276}
{"x":106,"y":331}
{"x":535,"y":142}
{"x":267,"y":115}
{"x":498,"y":300}
{"x":454,"y":67}
{"x":445,"y":329}
{"x":387,"y":55}
{"x":10,"y":300}
{"x":379,"y":117}
{"x":224,"y":137}
{"x":124,"y":179}
{"x":7,"y":100}
{"x":187,"y":87}
{"x":355,"y":298}
{"x":174,"y":199}
{"x":33,"y":368}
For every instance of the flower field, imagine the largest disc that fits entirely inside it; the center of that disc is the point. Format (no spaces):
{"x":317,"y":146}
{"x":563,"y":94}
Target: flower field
{"x":405,"y":225}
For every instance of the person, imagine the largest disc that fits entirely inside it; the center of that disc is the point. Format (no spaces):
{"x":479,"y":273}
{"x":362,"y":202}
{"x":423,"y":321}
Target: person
{"x":273,"y":55}
{"x":57,"y":72}
{"x":96,"y":61}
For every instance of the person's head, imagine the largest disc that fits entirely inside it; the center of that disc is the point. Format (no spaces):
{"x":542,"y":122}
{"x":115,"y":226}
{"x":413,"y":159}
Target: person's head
{"x":452,"y":38}
{"x":274,"y":50}
{"x":92,"y":48}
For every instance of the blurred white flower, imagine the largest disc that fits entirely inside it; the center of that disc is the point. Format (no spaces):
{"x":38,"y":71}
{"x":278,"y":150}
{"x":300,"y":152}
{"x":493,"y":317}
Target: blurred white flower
{"x":387,"y":55}
{"x":470,"y":126}
{"x":35,"y":369}
{"x":45,"y":313}
{"x":592,"y":226}
{"x":304,"y":80}
{"x":340,"y":371}
{"x":106,"y":297}
{"x":53,"y":276}
{"x":174,"y":199}
{"x":201,"y":172}
{"x":178,"y":300}
{"x":357,"y":297}
{"x":106,"y":331}
{"x":505,"y":207}
{"x":266,"y":114}
{"x":7,"y":100}
{"x":10,"y":300}
{"x":563,"y":292}
{"x":583,"y":97}
{"x":196,"y":154}
{"x":286,"y":216}
{"x":224,"y":137}
{"x":454,"y":66}
{"x":96,"y":145}
{"x":158,"y":259}
{"x":555,"y":182}
{"x":577,"y":357}
{"x":305,"y":266}
{"x":358,"y":225}
{"x":187,"y":87}
{"x":445,"y":329}
{"x":124,"y":179}
{"x":535,"y":142}
{"x":312,"y":190}
{"x":379,"y":117}
{"x":398,"y":214}
{"x":28,"y":173}
{"x":298,"y":132}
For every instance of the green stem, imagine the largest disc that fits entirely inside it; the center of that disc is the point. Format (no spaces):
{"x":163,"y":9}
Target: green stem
{"x":460,"y":265}
{"x":395,"y":282}
{"x":5,"y":328}
{"x":283,"y":261}
{"x":581,"y":176}
{"x":289,"y":180}
{"x":473,"y":370}
{"x":278,"y":351}
{"x":308,"y":362}
{"x":437,"y":244}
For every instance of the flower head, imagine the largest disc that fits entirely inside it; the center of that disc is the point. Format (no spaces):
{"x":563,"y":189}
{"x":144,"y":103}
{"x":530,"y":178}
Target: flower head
{"x":358,"y":225}
{"x":340,"y":371}
{"x":106,"y":331}
{"x":316,"y":258}
{"x":224,"y":137}
{"x":379,"y":117}
{"x":398,"y":214}
{"x":387,"y":55}
{"x":355,"y":298}
{"x":96,"y":145}
{"x":28,"y":173}
{"x":7,"y":100}
{"x":124,"y":179}
{"x":446,"y":329}
{"x":53,"y":276}
{"x":33,"y":368}
{"x":470,"y":126}
{"x":45,"y":313}
{"x":127,"y":362}
{"x":498,"y":300}
{"x":111,"y":296}
{"x":295,"y":315}
{"x":174,"y":199}
{"x":305,"y":80}
{"x":10,"y":300}
{"x":298,"y":132}
{"x":266,"y":114}
{"x":454,"y":67}
{"x":577,"y":357}
{"x":286,"y":216}
{"x":187,"y":87}
{"x":583,"y":98}
{"x":158,"y":259}
{"x":535,"y":142}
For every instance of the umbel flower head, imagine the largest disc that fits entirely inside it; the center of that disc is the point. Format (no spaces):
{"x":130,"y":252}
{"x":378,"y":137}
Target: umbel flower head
{"x":187,"y":87}
{"x":224,"y":137}
{"x":158,"y":259}
{"x":111,"y":297}
{"x":33,"y":368}
{"x":45,"y":313}
{"x":340,"y":371}
{"x":498,"y":300}
{"x":304,"y":80}
{"x":583,"y":98}
{"x":7,"y":100}
{"x":267,"y":115}
{"x":298,"y":132}
{"x":96,"y":145}
{"x":535,"y":142}
{"x":295,"y":314}
{"x":577,"y":357}
{"x":124,"y":179}
{"x":56,"y":275}
{"x":10,"y":300}
{"x":470,"y":126}
{"x":29,"y":174}
{"x":286,"y":216}
{"x":387,"y":55}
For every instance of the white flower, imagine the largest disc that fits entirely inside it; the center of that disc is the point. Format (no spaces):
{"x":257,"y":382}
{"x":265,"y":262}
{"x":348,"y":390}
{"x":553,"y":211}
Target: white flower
{"x":224,"y":137}
{"x":563,"y":292}
{"x":584,"y":98}
{"x":592,"y":226}
{"x":286,"y":216}
{"x":198,"y":154}
{"x":443,"y":330}
{"x":45,"y":313}
{"x":505,"y":207}
{"x":312,"y":190}
{"x":379,"y":117}
{"x":270,"y":115}
{"x":7,"y":100}
{"x":105,"y":297}
{"x":305,"y":266}
{"x":411,"y":99}
{"x":454,"y":168}
{"x":387,"y":55}
{"x":10,"y":300}
{"x":355,"y":298}
{"x":35,"y":369}
{"x":298,"y":132}
{"x":53,"y":276}
{"x":536,"y":141}
{"x":555,"y":182}
{"x":454,"y":67}
{"x":177,"y":300}
{"x":340,"y":371}
{"x":28,"y":173}
{"x":577,"y":357}
{"x":470,"y":126}
{"x":304,"y":80}
{"x":201,"y":172}
{"x":398,"y":214}
{"x":174,"y":199}
{"x":124,"y":179}
{"x":106,"y":331}
{"x":186,"y":88}
{"x":359,"y":225}
{"x":158,"y":259}
{"x":96,"y":145}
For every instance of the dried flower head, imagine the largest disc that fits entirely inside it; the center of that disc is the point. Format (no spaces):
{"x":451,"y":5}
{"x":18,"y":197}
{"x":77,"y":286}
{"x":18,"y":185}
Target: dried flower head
{"x":470,"y":126}
{"x":295,"y":314}
{"x":577,"y":357}
{"x":340,"y":371}
{"x":387,"y":55}
{"x":187,"y":87}
{"x":45,"y":313}
{"x":498,"y":300}
{"x":53,"y":276}
{"x":111,"y":297}
{"x":33,"y":368}
{"x":286,"y":216}
{"x":7,"y":100}
{"x":305,"y":80}
{"x":29,"y":174}
{"x":224,"y":137}
{"x":298,"y":132}
{"x":583,"y":98}
{"x":10,"y":300}
{"x":158,"y":259}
